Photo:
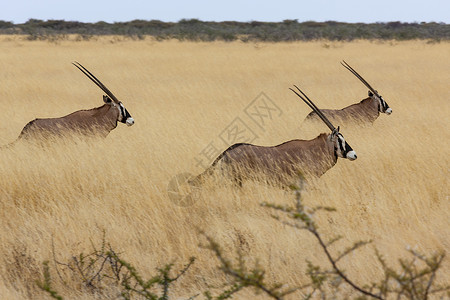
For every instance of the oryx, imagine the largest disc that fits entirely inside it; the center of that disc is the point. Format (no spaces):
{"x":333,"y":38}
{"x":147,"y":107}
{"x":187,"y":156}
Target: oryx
{"x":97,"y":121}
{"x":281,"y":163}
{"x":364,"y":112}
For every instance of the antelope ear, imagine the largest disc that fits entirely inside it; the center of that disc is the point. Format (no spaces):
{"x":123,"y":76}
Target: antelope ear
{"x":106,"y":99}
{"x":335,"y":131}
{"x":370,"y":94}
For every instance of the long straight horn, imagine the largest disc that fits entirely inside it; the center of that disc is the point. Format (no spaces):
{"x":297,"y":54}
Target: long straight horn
{"x":95,"y":80}
{"x":314,"y":108}
{"x":348,"y":67}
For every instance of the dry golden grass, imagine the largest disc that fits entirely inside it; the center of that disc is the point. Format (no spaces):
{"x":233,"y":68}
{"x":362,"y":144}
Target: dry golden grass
{"x":182,"y":95}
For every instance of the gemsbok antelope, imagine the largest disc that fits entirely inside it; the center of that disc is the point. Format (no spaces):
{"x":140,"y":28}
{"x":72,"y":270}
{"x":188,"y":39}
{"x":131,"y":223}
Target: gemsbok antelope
{"x":280,"y":164}
{"x":364,"y":112}
{"x":97,"y":121}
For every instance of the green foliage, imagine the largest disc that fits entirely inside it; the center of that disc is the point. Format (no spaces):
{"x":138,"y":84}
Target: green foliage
{"x":103,"y":268}
{"x":243,"y":277}
{"x":196,"y":30}
{"x":411,"y":282}
{"x":46,"y":284}
{"x":415,"y":280}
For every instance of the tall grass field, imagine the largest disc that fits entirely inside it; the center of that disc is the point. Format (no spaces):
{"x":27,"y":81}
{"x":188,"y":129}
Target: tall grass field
{"x":190,"y":101}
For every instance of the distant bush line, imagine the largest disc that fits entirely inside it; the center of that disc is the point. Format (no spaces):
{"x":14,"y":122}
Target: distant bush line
{"x":196,"y":30}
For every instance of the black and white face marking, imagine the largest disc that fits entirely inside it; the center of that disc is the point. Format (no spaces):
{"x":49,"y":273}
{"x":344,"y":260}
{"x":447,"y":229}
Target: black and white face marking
{"x":341,"y":147}
{"x":124,"y":115}
{"x":383,"y":106}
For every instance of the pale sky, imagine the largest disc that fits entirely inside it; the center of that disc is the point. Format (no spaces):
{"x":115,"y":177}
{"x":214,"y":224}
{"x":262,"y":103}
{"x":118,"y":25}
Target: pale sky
{"x":19,"y":11}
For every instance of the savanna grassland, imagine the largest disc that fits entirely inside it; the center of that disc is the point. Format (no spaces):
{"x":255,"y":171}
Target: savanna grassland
{"x":58,"y":200}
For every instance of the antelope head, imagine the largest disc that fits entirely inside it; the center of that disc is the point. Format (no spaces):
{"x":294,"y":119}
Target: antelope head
{"x":383,"y":107}
{"x":123,"y":116}
{"x":341,"y":147}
